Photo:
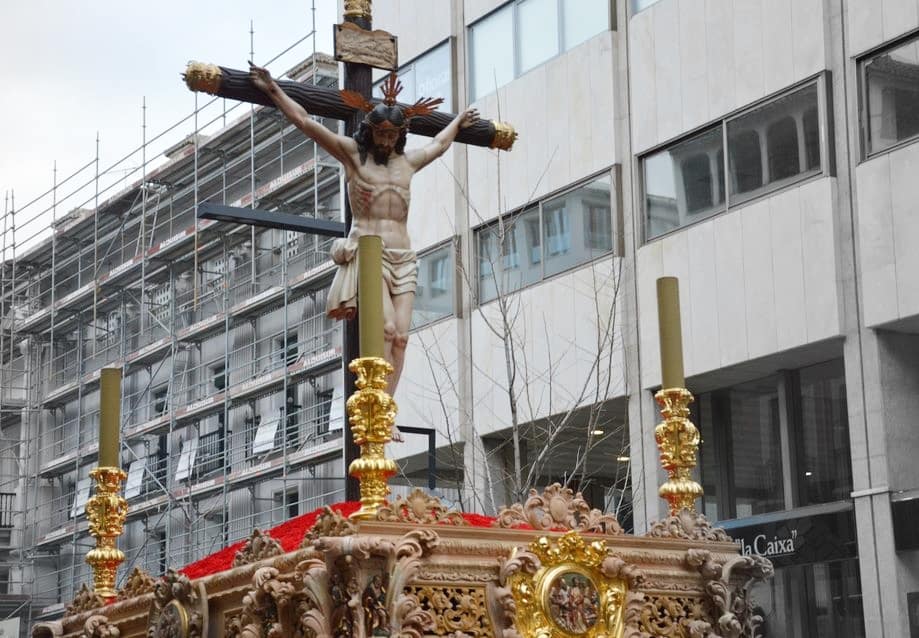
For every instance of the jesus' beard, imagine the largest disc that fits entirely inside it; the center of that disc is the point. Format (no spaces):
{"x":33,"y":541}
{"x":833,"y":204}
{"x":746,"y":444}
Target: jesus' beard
{"x":380,"y":154}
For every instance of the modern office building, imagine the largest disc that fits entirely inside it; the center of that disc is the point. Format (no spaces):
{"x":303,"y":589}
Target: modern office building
{"x":763,"y":152}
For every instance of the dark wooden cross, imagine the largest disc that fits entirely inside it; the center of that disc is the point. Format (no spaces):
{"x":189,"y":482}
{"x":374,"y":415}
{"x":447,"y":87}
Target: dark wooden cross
{"x":327,"y":102}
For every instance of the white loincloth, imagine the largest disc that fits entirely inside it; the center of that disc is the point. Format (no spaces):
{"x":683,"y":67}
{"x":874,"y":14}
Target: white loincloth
{"x":400,"y":273}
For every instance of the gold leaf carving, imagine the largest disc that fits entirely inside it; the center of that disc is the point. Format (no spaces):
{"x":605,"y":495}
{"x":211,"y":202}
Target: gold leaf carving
{"x":558,"y":508}
{"x":84,"y":600}
{"x":455,"y":608}
{"x":329,"y":524}
{"x":98,"y":627}
{"x":259,"y":547}
{"x":139,"y":583}
{"x":688,"y":525}
{"x":419,"y":508}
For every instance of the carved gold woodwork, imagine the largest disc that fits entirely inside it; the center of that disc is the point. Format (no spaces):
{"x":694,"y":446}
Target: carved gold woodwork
{"x":258,"y":547}
{"x":419,"y":508}
{"x":558,"y":508}
{"x":106,"y":512}
{"x":568,"y":587}
{"x":678,"y":440}
{"x":178,"y":609}
{"x":138,"y":583}
{"x":455,"y":608}
{"x":359,"y":9}
{"x":84,"y":600}
{"x":201,"y":76}
{"x":371,"y":412}
{"x":505,"y":136}
{"x":99,"y":627}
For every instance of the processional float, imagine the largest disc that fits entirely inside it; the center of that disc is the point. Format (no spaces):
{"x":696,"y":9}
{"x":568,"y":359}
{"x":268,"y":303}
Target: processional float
{"x":551,"y":567}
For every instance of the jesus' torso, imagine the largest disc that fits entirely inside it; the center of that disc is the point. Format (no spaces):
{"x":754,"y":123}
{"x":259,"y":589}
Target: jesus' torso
{"x":380,"y":197}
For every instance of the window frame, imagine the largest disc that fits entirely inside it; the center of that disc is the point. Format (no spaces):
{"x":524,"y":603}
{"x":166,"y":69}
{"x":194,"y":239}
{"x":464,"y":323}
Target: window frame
{"x":861,"y":62}
{"x":515,"y":41}
{"x":735,"y":201}
{"x":609,"y":173}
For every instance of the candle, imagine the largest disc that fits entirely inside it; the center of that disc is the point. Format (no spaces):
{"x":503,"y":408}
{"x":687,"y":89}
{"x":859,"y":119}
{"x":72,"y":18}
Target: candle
{"x":668,"y":316}
{"x":109,"y":417}
{"x":370,"y":295}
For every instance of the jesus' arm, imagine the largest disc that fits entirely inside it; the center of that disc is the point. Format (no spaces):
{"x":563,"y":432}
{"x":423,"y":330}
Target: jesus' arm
{"x":419,"y":158}
{"x":339,"y":147}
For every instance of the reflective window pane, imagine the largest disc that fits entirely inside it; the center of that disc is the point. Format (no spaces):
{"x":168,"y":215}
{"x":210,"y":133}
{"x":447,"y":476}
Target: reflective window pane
{"x":509,"y":254}
{"x":434,"y":295}
{"x":582,"y":19}
{"x":756,"y":448}
{"x":537,"y":24}
{"x":428,"y":76}
{"x":433,"y":71}
{"x":774,"y":144}
{"x":491,"y":46}
{"x":641,"y":5}
{"x":825,"y":434}
{"x":577,"y":226}
{"x":892,"y":96}
{"x":684,"y":183}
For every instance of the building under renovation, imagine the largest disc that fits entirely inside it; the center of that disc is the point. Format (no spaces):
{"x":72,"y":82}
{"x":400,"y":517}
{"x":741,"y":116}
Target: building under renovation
{"x":232,"y":372}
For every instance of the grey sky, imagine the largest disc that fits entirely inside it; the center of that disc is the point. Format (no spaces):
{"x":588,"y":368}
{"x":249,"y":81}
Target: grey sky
{"x":72,"y":68}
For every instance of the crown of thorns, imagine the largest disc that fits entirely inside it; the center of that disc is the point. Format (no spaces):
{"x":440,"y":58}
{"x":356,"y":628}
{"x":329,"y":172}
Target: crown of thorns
{"x":391,"y":89}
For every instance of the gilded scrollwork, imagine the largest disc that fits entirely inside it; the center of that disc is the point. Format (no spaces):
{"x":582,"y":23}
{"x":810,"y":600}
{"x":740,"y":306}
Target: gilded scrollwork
{"x":177,"y":610}
{"x":259,"y":547}
{"x":419,"y":508}
{"x":98,"y":626}
{"x":727,"y":585}
{"x":84,"y":600}
{"x":329,"y":524}
{"x":558,"y":508}
{"x":567,"y":587}
{"x":674,"y":617}
{"x":138,"y":583}
{"x":455,"y":608}
{"x":688,"y":525}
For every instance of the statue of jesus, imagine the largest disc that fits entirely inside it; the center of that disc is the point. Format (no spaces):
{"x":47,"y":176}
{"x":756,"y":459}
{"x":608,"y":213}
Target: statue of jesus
{"x":378,"y":171}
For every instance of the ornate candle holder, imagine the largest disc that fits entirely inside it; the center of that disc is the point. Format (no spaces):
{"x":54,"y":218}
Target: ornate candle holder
{"x":372,"y":412}
{"x":678,"y":441}
{"x":106,"y":512}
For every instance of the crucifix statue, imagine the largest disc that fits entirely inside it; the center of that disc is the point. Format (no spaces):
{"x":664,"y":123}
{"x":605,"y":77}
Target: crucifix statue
{"x":377,"y":167}
{"x":378,"y":172}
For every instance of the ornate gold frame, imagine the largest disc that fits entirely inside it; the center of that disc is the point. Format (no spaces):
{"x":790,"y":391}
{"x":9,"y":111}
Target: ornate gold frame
{"x":570,"y":553}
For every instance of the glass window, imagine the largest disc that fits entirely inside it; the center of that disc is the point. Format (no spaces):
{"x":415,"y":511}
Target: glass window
{"x":538,"y":24}
{"x":772,"y":144}
{"x":825,"y":435}
{"x":582,"y":213}
{"x":582,"y":19}
{"x":434,"y":294}
{"x":523,"y":34}
{"x":756,"y":455}
{"x":641,"y":5}
{"x":684,"y":183}
{"x":505,"y":254}
{"x":769,"y":147}
{"x":491,"y":51}
{"x":741,"y":464}
{"x":891,"y":90}
{"x":426,"y":76}
{"x":558,"y":234}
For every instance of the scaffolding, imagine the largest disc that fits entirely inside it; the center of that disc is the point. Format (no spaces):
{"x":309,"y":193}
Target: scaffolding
{"x":232,"y":390}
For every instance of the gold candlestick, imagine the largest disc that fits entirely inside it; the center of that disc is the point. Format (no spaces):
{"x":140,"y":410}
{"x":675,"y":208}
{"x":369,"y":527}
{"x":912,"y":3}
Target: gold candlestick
{"x":106,"y":512}
{"x":671,"y":333}
{"x":370,"y":294}
{"x":678,"y":441}
{"x":371,"y":411}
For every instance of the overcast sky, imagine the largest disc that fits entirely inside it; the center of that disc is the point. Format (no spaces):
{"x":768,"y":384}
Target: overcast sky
{"x":75,"y":67}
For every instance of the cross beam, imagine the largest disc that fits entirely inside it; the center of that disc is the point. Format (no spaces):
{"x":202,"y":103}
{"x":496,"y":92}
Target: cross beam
{"x":326,"y":102}
{"x":270,"y":219}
